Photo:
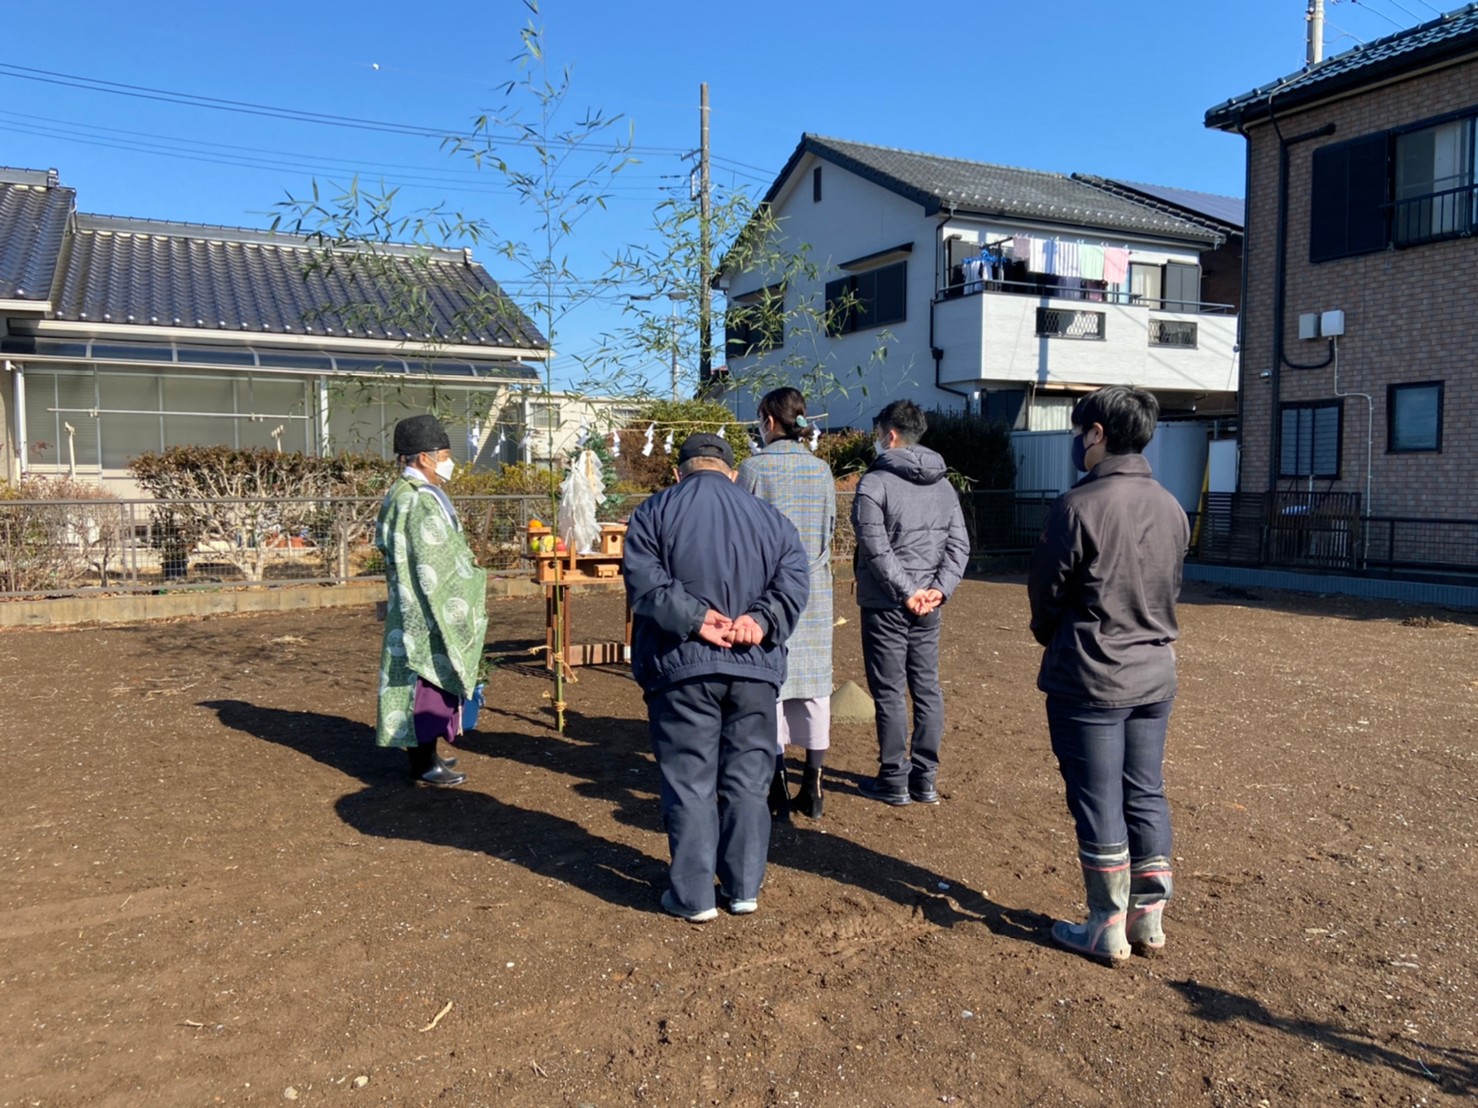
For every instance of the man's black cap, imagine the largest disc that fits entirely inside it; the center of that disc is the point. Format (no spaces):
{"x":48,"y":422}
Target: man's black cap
{"x":703,"y":445}
{"x":420,"y":434}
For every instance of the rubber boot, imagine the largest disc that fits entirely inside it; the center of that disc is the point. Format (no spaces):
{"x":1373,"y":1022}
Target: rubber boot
{"x":1101,"y":936}
{"x":427,"y":767}
{"x":808,"y":801}
{"x":1150,"y":886}
{"x":779,"y":795}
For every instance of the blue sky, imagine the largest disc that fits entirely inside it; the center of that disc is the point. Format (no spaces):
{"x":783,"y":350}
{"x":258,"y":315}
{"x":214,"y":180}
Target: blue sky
{"x":1095,"y":86}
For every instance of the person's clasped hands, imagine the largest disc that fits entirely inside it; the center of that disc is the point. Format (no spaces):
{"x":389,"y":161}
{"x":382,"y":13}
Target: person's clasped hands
{"x":924,"y":601}
{"x":719,"y":630}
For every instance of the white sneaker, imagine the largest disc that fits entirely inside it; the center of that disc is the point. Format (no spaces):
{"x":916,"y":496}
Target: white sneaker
{"x":670,"y":907}
{"x":743,"y":907}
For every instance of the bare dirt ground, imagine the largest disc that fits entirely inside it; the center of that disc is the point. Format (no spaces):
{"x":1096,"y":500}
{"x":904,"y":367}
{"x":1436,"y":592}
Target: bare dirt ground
{"x":219,"y":892}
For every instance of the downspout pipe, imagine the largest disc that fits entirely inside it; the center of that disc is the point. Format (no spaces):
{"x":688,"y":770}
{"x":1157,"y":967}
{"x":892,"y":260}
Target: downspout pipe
{"x":22,"y":438}
{"x":935,"y":352}
{"x":1369,"y":448}
{"x":1280,"y":275}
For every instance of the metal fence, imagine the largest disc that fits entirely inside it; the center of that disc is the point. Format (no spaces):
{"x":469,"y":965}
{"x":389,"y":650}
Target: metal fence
{"x":68,"y":547}
{"x":1326,"y":531}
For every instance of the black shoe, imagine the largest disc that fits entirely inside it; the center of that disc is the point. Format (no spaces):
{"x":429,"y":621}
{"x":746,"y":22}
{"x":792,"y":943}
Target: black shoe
{"x":779,"y":797}
{"x":809,"y":800}
{"x":923,"y":794}
{"x":440,"y":776}
{"x":874,"y":789}
{"x":449,"y":763}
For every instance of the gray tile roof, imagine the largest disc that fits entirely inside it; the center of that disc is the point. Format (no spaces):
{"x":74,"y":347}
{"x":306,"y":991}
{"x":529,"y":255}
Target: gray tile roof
{"x":1222,"y":212}
{"x":33,"y":223}
{"x":139,"y":272}
{"x":981,"y":188}
{"x":1438,"y":39}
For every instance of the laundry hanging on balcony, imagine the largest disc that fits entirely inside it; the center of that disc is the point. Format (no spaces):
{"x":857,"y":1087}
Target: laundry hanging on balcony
{"x":1058,"y":258}
{"x":985,"y":267}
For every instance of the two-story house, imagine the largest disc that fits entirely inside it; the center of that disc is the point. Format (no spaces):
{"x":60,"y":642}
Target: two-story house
{"x":120,"y":336}
{"x":964,"y":284}
{"x":1359,"y":385}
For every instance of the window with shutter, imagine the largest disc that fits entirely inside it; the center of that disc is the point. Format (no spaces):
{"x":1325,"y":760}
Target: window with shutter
{"x":1310,"y":442}
{"x":1347,"y":206}
{"x":874,"y":298}
{"x":127,"y":428}
{"x":42,"y":424}
{"x":76,"y":396}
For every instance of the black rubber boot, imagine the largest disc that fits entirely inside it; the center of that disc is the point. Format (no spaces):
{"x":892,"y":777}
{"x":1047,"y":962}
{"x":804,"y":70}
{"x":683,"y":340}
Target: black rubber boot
{"x":429,"y":769}
{"x":779,"y":795}
{"x":808,"y":801}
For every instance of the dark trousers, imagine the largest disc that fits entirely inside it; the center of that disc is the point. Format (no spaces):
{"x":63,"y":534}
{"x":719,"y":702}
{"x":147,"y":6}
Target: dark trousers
{"x":714,"y":738}
{"x":901,"y":651}
{"x":1112,"y":762}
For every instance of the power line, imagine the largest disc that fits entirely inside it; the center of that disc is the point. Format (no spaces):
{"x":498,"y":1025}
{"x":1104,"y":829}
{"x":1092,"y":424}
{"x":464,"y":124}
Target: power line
{"x":1407,"y":10}
{"x":242,"y":107}
{"x":1380,"y":13}
{"x":282,"y":162}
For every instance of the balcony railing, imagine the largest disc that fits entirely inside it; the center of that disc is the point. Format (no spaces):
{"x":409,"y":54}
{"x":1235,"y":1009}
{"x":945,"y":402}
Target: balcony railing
{"x":1095,"y":296}
{"x":1449,"y":214}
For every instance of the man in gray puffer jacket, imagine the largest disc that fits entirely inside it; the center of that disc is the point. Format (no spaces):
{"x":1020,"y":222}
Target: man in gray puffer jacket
{"x":911,"y":553}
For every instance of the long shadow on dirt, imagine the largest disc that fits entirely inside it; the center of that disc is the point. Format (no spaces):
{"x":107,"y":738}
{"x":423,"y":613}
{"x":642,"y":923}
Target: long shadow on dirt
{"x":610,"y":760}
{"x":1454,"y":1071}
{"x":465,"y":819}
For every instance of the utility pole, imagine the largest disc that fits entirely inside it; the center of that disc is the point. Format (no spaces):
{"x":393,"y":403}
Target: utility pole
{"x":1315,"y":16}
{"x":705,"y":240}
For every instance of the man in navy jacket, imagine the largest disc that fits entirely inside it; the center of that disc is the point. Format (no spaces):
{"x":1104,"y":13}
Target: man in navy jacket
{"x":717,"y":579}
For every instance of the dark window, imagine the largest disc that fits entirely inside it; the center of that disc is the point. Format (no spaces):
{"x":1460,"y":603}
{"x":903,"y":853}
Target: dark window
{"x":1182,"y":287}
{"x":872,"y":299}
{"x":1347,"y":212}
{"x":216,"y":355}
{"x":1414,"y":418}
{"x":816,"y":185}
{"x":305,"y":361}
{"x":1310,"y":444}
{"x":1434,"y":183}
{"x":755,"y":322}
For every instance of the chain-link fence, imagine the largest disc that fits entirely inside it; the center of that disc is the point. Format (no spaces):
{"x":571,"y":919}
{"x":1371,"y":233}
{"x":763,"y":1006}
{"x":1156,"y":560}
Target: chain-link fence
{"x":65,"y":547}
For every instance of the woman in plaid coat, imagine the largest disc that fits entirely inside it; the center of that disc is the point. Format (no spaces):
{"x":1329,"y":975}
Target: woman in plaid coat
{"x":789,"y":476}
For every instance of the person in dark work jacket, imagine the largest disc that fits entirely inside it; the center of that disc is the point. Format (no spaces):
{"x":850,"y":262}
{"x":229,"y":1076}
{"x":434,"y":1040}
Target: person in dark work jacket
{"x":912,"y":550}
{"x":1103,"y":584}
{"x":717,"y":580}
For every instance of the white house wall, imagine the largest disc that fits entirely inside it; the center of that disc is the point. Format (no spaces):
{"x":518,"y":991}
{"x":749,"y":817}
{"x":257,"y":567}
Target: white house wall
{"x":1177,"y":456}
{"x":991,"y":338}
{"x":855,"y":218}
{"x":988,"y":339}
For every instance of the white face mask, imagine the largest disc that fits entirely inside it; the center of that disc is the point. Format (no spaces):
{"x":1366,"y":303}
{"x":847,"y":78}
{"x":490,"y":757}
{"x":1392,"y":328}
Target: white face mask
{"x":879,"y":445}
{"x":444,"y":469}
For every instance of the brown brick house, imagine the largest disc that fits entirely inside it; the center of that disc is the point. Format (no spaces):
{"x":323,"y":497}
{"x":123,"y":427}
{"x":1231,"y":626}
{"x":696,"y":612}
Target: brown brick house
{"x":1359,"y":391}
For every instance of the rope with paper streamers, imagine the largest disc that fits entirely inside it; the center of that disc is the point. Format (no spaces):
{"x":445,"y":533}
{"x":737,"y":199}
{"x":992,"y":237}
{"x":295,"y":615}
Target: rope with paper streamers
{"x":649,"y":437}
